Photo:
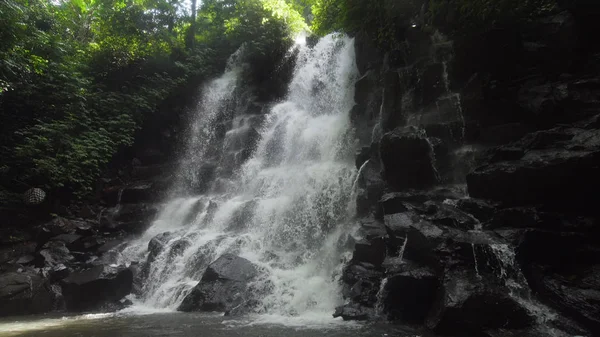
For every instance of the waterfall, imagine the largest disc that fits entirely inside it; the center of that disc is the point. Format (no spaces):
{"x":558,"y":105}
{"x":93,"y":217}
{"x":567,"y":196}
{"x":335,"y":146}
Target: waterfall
{"x":285,"y":208}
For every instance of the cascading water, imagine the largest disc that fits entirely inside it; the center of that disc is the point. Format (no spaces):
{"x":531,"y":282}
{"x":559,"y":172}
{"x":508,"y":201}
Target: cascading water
{"x":287,"y":208}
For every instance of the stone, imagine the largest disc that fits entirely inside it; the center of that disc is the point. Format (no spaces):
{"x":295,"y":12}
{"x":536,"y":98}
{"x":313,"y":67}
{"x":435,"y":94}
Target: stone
{"x":224,"y":286}
{"x":446,"y":215}
{"x":361,"y":284}
{"x":408,"y":160}
{"x":370,"y":251}
{"x":131,"y":218}
{"x":157,"y":244}
{"x":393,"y":203}
{"x":66,"y":238}
{"x":110,"y":245}
{"x":96,"y":287}
{"x":24,"y":293}
{"x":576,"y":295}
{"x":481,"y":210}
{"x":559,"y":170}
{"x":468,"y":304}
{"x":54,"y":253}
{"x":87,"y":244}
{"x":57,"y":272}
{"x":353,"y":313}
{"x":370,"y":189}
{"x":56,"y":226}
{"x":15,"y":251}
{"x":409,"y":293}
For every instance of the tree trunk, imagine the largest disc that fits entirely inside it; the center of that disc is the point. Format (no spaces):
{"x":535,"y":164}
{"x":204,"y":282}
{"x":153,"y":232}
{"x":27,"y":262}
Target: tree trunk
{"x":192,"y":31}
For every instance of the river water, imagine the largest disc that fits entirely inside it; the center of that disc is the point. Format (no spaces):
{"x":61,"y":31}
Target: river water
{"x":189,"y":325}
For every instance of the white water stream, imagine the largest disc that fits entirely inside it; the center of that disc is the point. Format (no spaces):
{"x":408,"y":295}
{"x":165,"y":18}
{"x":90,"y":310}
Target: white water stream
{"x":287,"y":207}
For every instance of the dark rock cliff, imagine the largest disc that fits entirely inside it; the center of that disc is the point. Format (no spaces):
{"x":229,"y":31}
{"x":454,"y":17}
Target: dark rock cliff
{"x":477,"y":205}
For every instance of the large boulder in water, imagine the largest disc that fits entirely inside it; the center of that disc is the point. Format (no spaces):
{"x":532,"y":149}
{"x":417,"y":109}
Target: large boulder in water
{"x":225,"y":286}
{"x":24,"y":293}
{"x":96,"y":288}
{"x":408,"y":160}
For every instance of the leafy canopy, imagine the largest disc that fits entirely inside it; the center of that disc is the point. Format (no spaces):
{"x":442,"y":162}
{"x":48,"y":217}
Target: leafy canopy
{"x":78,"y":78}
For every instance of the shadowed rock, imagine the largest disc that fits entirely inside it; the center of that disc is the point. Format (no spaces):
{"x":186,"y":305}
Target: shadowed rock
{"x":225,"y":286}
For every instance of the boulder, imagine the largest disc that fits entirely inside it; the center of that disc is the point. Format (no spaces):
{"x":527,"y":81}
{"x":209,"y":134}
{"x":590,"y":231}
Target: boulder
{"x":409,"y":292}
{"x":224,"y":286}
{"x":96,"y":287}
{"x":370,"y":251}
{"x":157,"y":245}
{"x":14,"y":252}
{"x":131,"y":218}
{"x":361,"y":284}
{"x":24,"y":293}
{"x":55,"y":253}
{"x":440,"y":246}
{"x":443,"y":214}
{"x":87,"y":244}
{"x":481,"y":210}
{"x":353,"y":312}
{"x":577,"y":296}
{"x":56,"y":226}
{"x":408,"y":160}
{"x":467,"y":304}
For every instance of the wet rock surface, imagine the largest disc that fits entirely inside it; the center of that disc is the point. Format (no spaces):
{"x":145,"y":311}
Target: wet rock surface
{"x":407,"y":158}
{"x":225,"y":287}
{"x":24,"y":292}
{"x":513,"y":250}
{"x":62,"y":269}
{"x":96,"y":287}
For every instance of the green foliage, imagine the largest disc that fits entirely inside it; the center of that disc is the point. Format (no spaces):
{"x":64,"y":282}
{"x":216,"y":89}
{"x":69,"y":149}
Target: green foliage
{"x":79,"y":77}
{"x":382,"y":20}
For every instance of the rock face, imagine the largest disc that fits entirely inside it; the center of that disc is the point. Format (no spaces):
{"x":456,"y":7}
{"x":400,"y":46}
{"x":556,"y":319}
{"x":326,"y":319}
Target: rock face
{"x":61,"y":269}
{"x":24,"y":293}
{"x":97,"y":287}
{"x":410,"y":292}
{"x":467,"y":304}
{"x":558,"y":168}
{"x":521,"y":129}
{"x":225,"y":286}
{"x":407,"y":158}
